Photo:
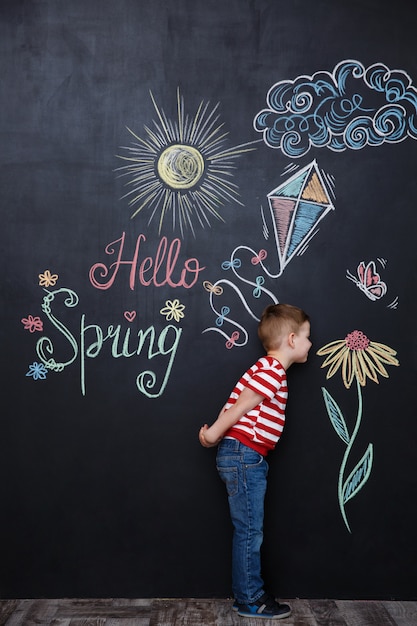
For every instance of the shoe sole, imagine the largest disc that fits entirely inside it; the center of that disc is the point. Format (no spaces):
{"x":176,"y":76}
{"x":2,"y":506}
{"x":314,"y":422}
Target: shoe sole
{"x":263,"y":616}
{"x":236,"y":608}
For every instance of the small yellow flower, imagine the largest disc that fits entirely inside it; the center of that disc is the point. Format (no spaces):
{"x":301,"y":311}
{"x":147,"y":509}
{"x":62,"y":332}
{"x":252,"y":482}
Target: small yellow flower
{"x":358,"y":357}
{"x":47,"y":279}
{"x":173,"y":310}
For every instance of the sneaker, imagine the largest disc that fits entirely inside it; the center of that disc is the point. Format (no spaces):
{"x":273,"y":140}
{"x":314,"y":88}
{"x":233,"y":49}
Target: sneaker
{"x":266,"y":607}
{"x":236,"y":605}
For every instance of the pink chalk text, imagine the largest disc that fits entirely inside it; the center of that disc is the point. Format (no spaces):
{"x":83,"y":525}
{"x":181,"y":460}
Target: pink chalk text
{"x":162,"y":268}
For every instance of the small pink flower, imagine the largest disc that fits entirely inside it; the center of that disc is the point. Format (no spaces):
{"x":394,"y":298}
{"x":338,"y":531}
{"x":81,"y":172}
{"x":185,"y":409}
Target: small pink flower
{"x":32,"y":323}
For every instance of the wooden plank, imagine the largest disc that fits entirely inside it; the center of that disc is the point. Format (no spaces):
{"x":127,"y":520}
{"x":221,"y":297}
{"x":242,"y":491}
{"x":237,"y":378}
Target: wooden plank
{"x":193,"y":612}
{"x":201,"y":612}
{"x":7,"y":607}
{"x":224,"y":614}
{"x":369,"y":612}
{"x":166,"y":612}
{"x":404,"y":613}
{"x":132,"y":621}
{"x":219,"y":613}
{"x":327,"y":612}
{"x":142,"y":602}
{"x":301,"y":614}
{"x":18,"y":616}
{"x":41,"y":612}
{"x":140,"y":609}
{"x":89,"y":621}
{"x":105,"y":608}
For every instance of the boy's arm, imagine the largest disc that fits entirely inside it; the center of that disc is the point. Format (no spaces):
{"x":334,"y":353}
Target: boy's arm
{"x":247,"y":401}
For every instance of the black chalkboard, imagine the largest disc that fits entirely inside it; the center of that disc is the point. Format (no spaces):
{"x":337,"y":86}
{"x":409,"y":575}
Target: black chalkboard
{"x":167,"y":170}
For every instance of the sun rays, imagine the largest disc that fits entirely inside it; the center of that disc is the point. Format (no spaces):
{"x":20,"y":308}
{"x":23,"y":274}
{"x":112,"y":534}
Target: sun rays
{"x":182,"y":170}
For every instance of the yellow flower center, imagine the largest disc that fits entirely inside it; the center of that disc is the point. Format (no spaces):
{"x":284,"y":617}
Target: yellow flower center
{"x":356,"y":340}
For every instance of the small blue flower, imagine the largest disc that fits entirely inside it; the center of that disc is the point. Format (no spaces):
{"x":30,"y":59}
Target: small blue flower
{"x":258,"y":289}
{"x":225,"y":311}
{"x":37,"y":370}
{"x":235,"y":263}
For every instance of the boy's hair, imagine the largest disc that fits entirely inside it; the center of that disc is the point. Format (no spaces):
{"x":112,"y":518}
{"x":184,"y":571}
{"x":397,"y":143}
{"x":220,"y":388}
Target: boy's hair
{"x":278,"y":319}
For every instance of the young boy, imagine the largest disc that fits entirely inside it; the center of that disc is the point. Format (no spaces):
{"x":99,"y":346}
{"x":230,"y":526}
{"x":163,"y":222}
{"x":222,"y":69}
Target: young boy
{"x":247,"y":428}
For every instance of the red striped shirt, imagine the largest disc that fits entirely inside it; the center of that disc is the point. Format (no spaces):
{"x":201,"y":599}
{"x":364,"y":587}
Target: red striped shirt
{"x":261,"y":428}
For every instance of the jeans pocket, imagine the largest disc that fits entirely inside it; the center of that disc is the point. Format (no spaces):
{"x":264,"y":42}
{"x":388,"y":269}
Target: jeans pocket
{"x":253,"y":459}
{"x":229,"y":476}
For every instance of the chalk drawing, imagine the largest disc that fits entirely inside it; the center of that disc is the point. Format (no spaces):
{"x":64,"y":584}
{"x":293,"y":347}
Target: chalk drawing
{"x":350,"y":108}
{"x":296,"y":207}
{"x":181,"y":171}
{"x":82,"y":341}
{"x":37,"y":371}
{"x":173,"y":309}
{"x":130,"y":315}
{"x":145,"y":269}
{"x":32,"y":324}
{"x":47,"y":279}
{"x":358,"y":358}
{"x":368,"y":280}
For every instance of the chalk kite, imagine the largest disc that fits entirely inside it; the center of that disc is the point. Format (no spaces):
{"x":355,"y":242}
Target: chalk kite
{"x":297,"y":206}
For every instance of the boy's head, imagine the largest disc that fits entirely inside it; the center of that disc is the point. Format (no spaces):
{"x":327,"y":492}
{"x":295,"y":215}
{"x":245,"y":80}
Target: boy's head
{"x":277,"y":322}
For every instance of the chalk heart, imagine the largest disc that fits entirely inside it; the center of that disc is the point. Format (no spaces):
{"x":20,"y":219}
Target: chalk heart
{"x":130,"y":315}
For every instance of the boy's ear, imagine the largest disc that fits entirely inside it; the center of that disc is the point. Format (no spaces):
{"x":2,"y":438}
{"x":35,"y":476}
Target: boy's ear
{"x":291,"y":341}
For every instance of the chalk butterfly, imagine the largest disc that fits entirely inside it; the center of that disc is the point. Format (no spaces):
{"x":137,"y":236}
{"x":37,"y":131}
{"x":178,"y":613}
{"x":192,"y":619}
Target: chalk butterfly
{"x":368,"y":280}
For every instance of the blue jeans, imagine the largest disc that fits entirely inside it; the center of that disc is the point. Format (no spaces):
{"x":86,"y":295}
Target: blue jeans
{"x":244,"y":472}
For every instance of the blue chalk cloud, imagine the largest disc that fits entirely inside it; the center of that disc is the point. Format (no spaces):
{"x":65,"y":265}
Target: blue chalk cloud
{"x":352,"y":107}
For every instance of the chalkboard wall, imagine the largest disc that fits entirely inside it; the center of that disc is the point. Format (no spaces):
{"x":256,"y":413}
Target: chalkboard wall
{"x":168,"y":169}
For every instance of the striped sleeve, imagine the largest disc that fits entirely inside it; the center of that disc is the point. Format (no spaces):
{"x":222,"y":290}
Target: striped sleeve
{"x":265,"y":380}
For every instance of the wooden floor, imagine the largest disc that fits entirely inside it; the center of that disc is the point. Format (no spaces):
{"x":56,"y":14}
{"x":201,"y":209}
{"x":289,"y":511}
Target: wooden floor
{"x":192,"y":612}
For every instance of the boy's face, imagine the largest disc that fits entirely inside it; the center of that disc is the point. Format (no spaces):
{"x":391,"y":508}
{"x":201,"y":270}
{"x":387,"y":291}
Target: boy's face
{"x":302,"y":343}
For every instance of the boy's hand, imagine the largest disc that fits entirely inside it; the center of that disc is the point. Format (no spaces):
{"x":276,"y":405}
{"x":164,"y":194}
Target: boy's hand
{"x":203,"y":440}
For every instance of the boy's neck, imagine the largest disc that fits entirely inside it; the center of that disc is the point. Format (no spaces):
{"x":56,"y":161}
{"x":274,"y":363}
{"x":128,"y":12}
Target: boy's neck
{"x":282,"y":357}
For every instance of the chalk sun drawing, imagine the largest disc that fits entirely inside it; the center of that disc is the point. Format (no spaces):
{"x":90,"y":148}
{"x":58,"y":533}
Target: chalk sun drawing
{"x":182,"y":169}
{"x":296,"y":208}
{"x":350,"y":108}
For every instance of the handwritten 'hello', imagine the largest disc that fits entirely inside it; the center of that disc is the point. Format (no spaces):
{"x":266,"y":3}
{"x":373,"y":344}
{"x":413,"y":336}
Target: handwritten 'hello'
{"x":157,"y":271}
